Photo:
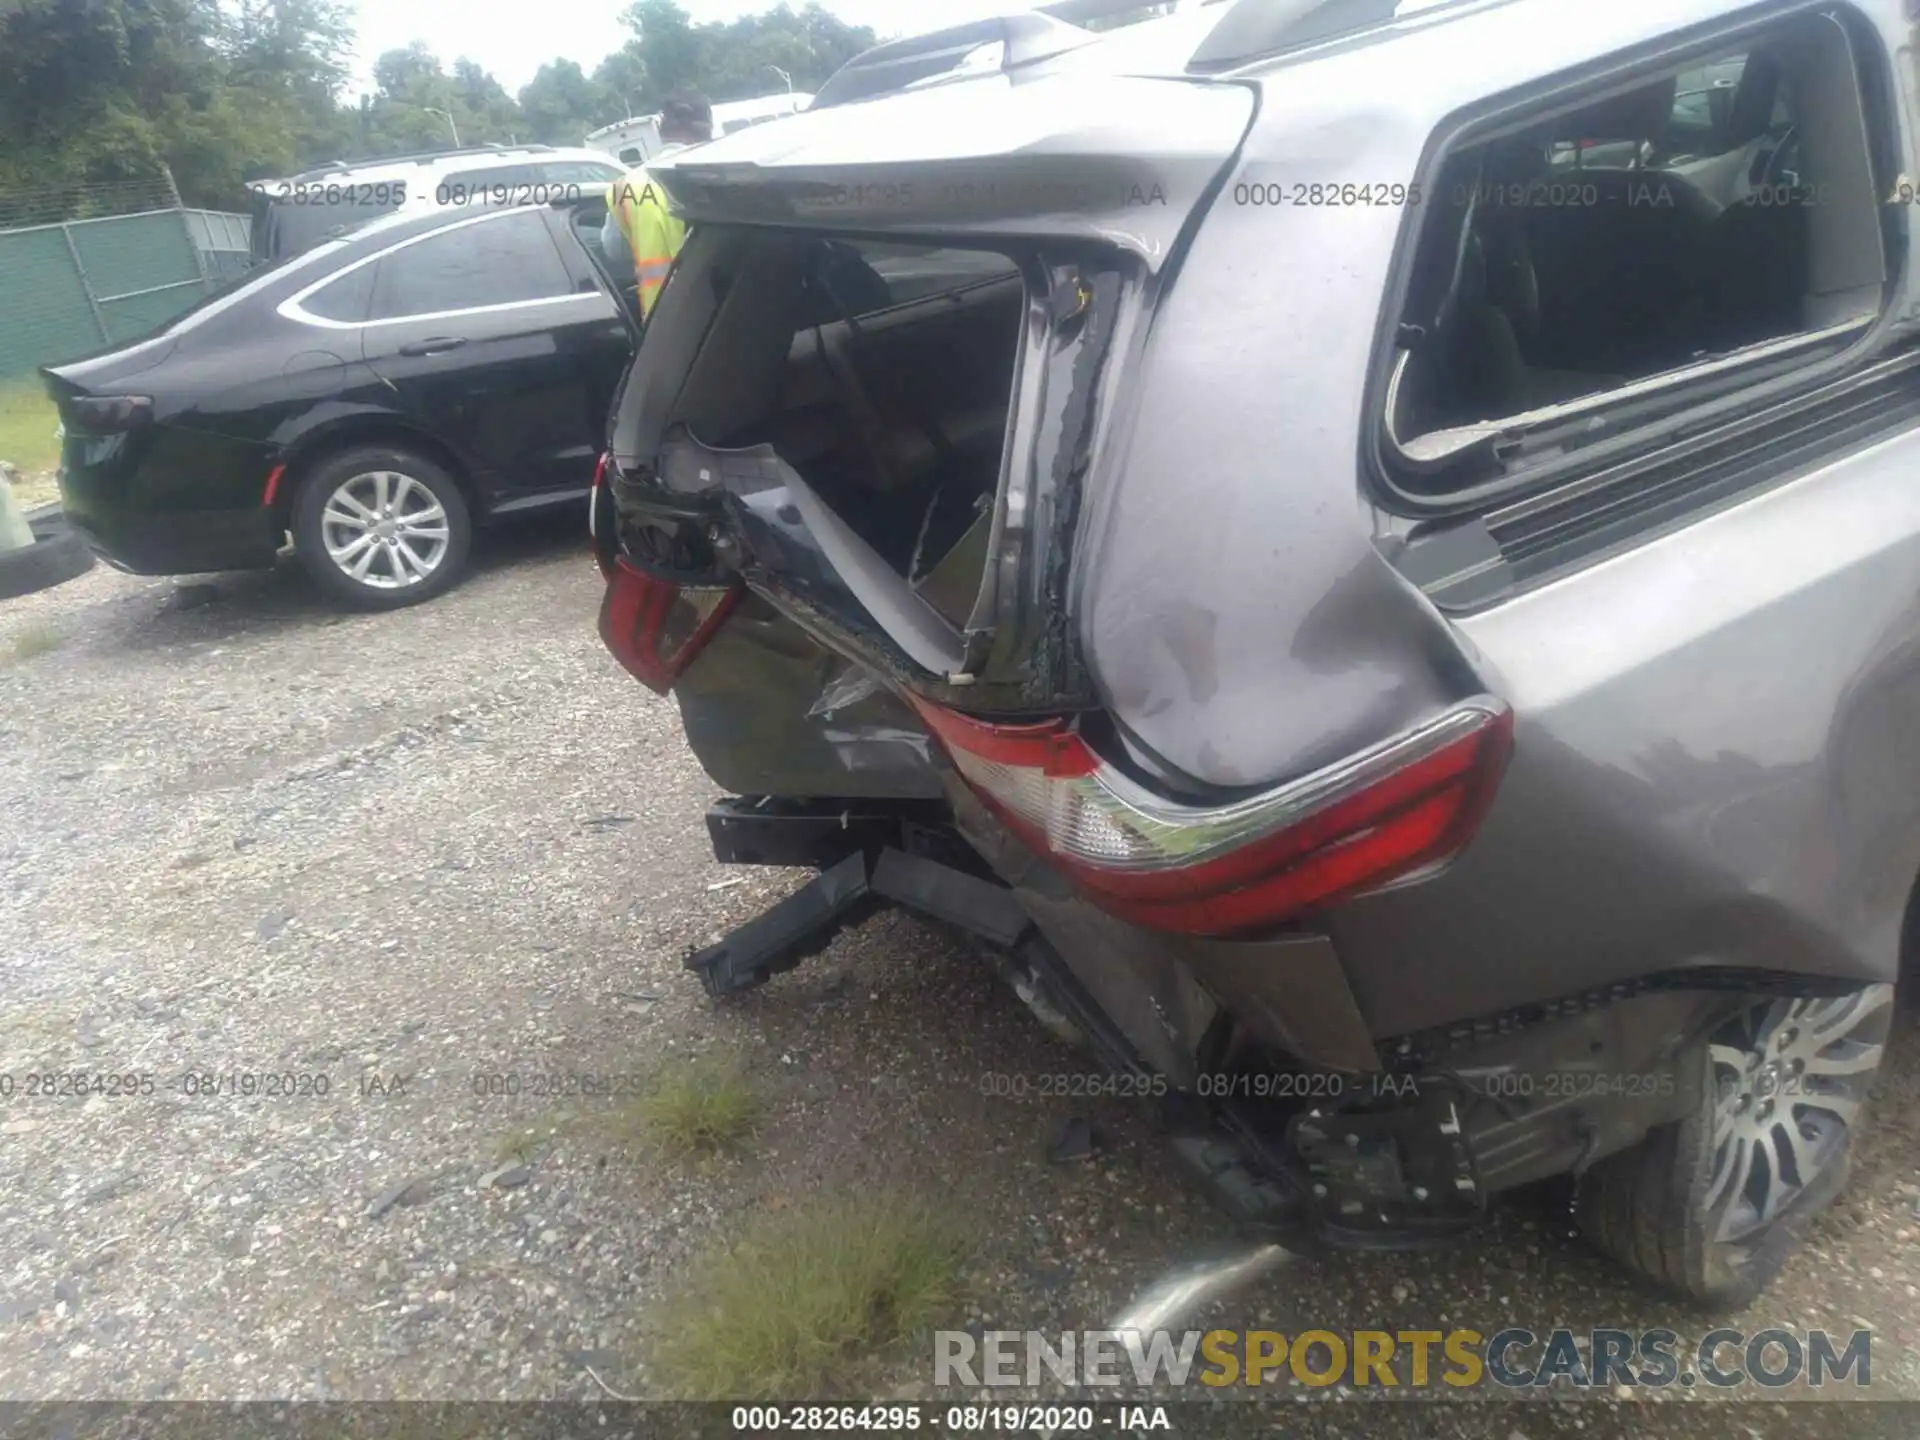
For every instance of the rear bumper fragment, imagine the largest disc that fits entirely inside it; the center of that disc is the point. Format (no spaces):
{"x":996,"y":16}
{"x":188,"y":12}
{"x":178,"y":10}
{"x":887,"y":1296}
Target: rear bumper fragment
{"x":185,"y":543}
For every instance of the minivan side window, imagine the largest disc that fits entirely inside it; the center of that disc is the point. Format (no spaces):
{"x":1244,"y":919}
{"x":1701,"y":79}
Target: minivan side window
{"x":575,"y":172}
{"x":463,"y":186}
{"x":499,"y":260}
{"x":1689,"y":231}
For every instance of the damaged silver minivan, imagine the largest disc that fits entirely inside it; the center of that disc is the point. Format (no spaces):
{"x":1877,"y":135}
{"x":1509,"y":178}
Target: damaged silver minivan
{"x":1372,"y":550}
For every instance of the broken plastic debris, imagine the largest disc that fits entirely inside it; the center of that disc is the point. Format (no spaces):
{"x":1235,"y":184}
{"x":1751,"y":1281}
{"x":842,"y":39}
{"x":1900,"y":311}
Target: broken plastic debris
{"x":1073,"y":1139}
{"x":852,"y":685}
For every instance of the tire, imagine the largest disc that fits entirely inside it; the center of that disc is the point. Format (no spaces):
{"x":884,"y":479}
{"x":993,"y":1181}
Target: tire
{"x":365,"y":557}
{"x":1710,"y":1208}
{"x":57,"y":555}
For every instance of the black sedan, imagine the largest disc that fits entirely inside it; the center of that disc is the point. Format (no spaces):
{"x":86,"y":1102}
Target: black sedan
{"x":372,"y":400}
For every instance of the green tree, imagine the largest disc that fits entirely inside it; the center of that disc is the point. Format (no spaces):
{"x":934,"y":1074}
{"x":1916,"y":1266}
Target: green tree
{"x":623,"y":77}
{"x":736,"y":60}
{"x":562,"y":103}
{"x":419,"y":106}
{"x":95,"y":95}
{"x":487,"y":112}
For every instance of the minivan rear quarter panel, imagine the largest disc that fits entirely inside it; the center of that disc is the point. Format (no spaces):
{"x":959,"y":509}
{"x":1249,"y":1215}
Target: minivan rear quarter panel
{"x":1244,"y":629}
{"x":1715,"y":739}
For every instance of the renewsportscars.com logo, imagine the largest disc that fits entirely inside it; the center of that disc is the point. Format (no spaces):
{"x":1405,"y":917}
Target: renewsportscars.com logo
{"x":1510,"y":1359}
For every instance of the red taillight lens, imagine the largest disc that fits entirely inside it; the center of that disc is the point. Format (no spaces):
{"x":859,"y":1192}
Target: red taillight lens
{"x":655,"y":625}
{"x":1228,"y":869}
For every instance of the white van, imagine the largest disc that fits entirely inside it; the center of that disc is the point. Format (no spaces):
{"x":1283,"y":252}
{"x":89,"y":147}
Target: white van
{"x":739,"y":114}
{"x":299,"y":212}
{"x":631,"y":142}
{"x":635,"y":141}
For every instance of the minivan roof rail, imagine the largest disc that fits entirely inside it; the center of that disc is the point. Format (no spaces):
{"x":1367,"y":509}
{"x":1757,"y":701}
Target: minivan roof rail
{"x":1255,"y":29}
{"x":1030,"y":35}
{"x":423,"y":157}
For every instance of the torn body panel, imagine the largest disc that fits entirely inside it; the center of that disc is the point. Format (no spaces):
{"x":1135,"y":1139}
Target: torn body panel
{"x":905,"y":480}
{"x":748,"y":704}
{"x":1220,"y":783}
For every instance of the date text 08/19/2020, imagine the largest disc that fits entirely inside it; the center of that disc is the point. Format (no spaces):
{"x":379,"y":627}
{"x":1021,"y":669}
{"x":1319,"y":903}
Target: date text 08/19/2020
{"x":951,"y":1419}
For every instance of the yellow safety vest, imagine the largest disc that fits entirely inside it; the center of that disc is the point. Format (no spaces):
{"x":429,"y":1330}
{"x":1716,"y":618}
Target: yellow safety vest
{"x":654,"y":233}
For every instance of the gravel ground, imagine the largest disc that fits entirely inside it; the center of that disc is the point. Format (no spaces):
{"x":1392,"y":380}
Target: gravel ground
{"x":243,"y":834}
{"x":32,"y":488}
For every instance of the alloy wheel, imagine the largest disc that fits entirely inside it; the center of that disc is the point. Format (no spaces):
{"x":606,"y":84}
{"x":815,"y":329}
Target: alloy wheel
{"x":1789,"y":1082}
{"x":385,"y":530}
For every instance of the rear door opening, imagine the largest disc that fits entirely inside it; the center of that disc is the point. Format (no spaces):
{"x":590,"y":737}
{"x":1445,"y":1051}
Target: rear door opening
{"x":877,"y":381}
{"x":858,"y":431}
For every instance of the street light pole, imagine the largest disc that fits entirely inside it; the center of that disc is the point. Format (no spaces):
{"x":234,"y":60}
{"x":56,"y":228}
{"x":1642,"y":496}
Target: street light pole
{"x":448,"y":117}
{"x":784,"y":76}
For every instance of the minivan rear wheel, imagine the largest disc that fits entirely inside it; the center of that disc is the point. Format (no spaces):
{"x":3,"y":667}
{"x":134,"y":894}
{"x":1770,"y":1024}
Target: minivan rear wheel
{"x":1711,"y":1207}
{"x":380,"y":527}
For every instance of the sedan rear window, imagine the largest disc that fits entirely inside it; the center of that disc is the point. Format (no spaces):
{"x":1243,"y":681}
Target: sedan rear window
{"x":346,"y":299}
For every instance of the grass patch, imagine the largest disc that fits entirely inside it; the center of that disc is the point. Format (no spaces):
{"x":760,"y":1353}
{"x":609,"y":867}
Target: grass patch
{"x":27,"y":421}
{"x":705,"y":1107}
{"x":31,"y":639}
{"x":697,"y":1110}
{"x":806,"y":1300}
{"x":524,"y":1146}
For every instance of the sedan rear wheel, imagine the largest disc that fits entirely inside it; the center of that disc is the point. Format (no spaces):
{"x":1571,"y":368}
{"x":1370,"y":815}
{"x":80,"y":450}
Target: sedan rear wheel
{"x":381,"y":528}
{"x":1712,"y":1207}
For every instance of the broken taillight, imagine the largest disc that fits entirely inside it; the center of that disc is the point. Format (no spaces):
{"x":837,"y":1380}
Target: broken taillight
{"x":1223,"y":870}
{"x":655,"y":623}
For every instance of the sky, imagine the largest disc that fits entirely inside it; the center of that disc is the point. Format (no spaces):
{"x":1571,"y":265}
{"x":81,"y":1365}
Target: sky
{"x":514,"y":40}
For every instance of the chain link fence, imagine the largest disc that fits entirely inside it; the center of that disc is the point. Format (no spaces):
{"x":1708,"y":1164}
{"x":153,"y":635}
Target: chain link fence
{"x":82,"y":267}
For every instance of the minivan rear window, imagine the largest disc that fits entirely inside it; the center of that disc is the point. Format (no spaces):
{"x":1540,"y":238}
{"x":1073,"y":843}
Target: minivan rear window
{"x":285,"y":227}
{"x":512,"y":183}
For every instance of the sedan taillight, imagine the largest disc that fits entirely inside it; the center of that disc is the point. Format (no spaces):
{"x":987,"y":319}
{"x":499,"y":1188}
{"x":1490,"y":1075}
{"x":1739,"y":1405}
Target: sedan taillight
{"x":1229,"y":869}
{"x":598,"y":497}
{"x":106,"y":414}
{"x":655,"y":623}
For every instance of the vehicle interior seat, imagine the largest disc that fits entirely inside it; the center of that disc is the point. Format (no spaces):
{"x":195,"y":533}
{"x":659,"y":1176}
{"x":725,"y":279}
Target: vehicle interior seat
{"x":1488,"y":323}
{"x":1758,"y":276}
{"x":1516,"y":169}
{"x":1620,"y":272}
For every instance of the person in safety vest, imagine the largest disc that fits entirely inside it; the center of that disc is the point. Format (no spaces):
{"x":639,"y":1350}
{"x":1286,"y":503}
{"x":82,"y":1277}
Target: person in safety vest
{"x":640,"y":233}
